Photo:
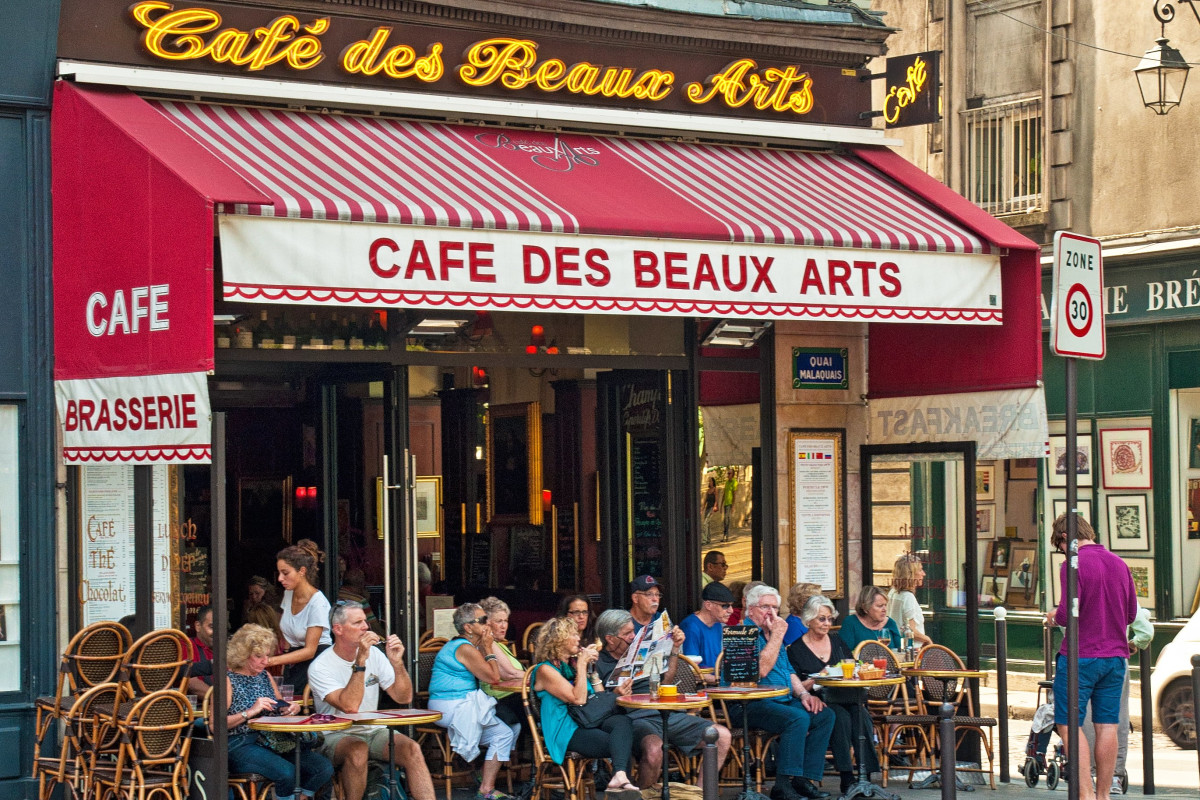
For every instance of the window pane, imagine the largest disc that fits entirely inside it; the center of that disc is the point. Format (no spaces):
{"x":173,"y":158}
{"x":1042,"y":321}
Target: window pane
{"x":10,"y":534}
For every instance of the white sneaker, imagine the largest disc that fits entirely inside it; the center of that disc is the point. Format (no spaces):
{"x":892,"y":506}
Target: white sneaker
{"x":1116,"y":785}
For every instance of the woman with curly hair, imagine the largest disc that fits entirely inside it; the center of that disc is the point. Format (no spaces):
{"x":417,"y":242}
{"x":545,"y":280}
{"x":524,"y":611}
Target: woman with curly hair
{"x":253,"y":693}
{"x":305,"y":619}
{"x":560,"y":681}
{"x":907,"y":575}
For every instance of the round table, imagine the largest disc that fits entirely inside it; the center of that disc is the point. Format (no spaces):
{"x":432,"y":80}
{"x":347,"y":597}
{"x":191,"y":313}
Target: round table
{"x":743,"y":695}
{"x":863,"y":786}
{"x":682,"y":702}
{"x":392,"y":719}
{"x":294,"y":725}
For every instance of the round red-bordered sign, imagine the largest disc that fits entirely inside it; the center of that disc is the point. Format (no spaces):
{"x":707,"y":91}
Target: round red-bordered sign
{"x":1077,"y":289}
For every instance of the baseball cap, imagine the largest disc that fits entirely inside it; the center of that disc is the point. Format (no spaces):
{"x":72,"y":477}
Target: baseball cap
{"x":644,"y":583}
{"x":717,"y":592}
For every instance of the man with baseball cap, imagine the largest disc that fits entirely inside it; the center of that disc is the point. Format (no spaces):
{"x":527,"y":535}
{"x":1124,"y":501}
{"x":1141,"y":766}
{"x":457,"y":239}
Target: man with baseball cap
{"x":703,"y":629}
{"x":645,"y":596}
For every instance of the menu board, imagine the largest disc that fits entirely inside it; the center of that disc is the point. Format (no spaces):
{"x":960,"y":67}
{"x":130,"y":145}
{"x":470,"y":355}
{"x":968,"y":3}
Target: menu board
{"x":527,"y":560}
{"x":565,"y":545}
{"x":480,"y":572}
{"x":815,"y":472}
{"x":107,"y":542}
{"x":645,"y":464}
{"x":739,"y":659}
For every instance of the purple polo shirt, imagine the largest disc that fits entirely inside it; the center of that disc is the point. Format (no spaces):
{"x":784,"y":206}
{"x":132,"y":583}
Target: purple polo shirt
{"x":1107,"y":604}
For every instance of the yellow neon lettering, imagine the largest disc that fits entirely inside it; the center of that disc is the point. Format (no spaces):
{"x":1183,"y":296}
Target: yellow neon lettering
{"x":549,"y":75}
{"x":653,"y":84}
{"x":368,"y":57}
{"x":505,"y":59}
{"x":740,"y":83}
{"x":582,"y":78}
{"x":899,"y":97}
{"x":186,"y":28}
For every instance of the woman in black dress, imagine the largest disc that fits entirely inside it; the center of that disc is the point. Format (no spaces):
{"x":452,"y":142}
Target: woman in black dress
{"x":812,"y":653}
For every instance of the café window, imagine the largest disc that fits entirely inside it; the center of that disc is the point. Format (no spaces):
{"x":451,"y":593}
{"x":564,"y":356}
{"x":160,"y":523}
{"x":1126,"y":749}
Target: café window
{"x":10,"y":562}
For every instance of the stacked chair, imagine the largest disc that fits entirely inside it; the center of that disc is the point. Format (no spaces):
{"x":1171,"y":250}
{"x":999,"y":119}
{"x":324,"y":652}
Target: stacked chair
{"x":935,"y":691}
{"x":154,"y":740}
{"x":901,"y":726}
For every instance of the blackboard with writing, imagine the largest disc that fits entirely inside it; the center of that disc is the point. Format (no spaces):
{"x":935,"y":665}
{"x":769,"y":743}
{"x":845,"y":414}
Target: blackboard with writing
{"x":527,"y":560}
{"x":566,"y":545}
{"x":480,"y":573}
{"x":645,"y":461}
{"x":739,"y":660}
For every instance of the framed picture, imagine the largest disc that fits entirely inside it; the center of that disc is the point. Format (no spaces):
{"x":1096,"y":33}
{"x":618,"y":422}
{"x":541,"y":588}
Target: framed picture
{"x":817,"y":506}
{"x":1084,"y":507}
{"x":428,"y":506}
{"x":1023,"y":574}
{"x":1022,"y":469}
{"x":1082,"y":460}
{"x":999,"y":554}
{"x":514,"y":463}
{"x":1056,"y":562}
{"x":1128,"y":525}
{"x":1142,"y":570}
{"x":993,"y":589}
{"x":985,"y":482}
{"x":1194,"y":444}
{"x":985,"y":521}
{"x":1125,"y":458}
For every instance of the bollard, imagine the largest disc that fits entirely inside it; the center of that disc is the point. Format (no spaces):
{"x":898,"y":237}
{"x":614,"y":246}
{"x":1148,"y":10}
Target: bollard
{"x":947,"y":756}
{"x":1001,"y":614}
{"x":1195,"y":694}
{"x":1145,"y":664}
{"x":708,"y":767}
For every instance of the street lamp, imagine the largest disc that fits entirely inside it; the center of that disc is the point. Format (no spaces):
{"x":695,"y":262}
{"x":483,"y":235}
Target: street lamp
{"x":1162,"y":72}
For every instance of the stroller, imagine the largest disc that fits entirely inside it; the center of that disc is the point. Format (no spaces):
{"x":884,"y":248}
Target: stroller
{"x":1036,"y":764}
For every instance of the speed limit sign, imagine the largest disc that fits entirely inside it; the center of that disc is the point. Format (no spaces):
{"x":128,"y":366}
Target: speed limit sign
{"x":1077,"y":313}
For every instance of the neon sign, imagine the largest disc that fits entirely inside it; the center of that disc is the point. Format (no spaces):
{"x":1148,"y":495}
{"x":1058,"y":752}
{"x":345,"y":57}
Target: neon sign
{"x":912,"y":90}
{"x":899,"y":97}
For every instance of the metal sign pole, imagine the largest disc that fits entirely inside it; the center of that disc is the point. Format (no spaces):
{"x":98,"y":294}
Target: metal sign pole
{"x":1072,"y":593}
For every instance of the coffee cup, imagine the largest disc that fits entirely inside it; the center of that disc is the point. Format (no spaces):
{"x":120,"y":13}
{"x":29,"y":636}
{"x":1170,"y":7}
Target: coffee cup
{"x":668,"y":691}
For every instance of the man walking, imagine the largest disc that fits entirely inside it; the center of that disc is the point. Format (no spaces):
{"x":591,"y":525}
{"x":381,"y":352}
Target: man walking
{"x":1107,"y":605}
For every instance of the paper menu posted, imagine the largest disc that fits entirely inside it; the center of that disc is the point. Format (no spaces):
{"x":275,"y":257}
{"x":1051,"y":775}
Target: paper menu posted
{"x":651,"y":646}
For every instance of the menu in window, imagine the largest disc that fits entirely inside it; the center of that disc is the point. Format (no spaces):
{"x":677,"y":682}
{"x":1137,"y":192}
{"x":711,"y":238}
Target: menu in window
{"x":815,"y":471}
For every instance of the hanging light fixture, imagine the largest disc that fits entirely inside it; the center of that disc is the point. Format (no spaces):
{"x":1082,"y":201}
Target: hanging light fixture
{"x":1162,"y":72}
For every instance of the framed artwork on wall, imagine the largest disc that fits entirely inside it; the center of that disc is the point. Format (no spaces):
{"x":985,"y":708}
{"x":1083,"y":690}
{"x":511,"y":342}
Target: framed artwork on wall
{"x":1128,"y":525}
{"x":1142,"y":570}
{"x":1084,"y":507}
{"x":1023,"y":469}
{"x":1125,"y":461}
{"x":514,"y":463}
{"x":985,"y":482}
{"x":999,"y":554}
{"x":985,"y":521}
{"x":1082,"y":460}
{"x":1023,"y":575}
{"x":428,"y":511}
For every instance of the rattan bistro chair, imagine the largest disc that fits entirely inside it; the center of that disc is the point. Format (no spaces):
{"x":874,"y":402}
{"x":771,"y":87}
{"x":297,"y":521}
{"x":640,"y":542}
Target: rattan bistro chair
{"x":760,"y":740}
{"x":901,"y":730}
{"x":573,"y":777}
{"x":85,"y":737}
{"x":158,"y":660}
{"x":152,"y":754}
{"x":244,"y":785}
{"x":935,"y":691}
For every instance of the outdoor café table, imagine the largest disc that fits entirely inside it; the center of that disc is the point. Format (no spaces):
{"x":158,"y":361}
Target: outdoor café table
{"x":863,"y":786}
{"x":296,"y":725}
{"x":743,"y":695}
{"x":394,"y":718}
{"x":683,"y":702}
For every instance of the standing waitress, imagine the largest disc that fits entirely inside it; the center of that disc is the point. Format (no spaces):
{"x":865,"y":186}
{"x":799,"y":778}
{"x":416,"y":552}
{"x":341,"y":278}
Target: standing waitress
{"x":305,"y":619}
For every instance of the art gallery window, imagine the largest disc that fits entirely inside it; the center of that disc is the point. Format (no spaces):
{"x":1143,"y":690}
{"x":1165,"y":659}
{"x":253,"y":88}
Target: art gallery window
{"x":10,"y":553}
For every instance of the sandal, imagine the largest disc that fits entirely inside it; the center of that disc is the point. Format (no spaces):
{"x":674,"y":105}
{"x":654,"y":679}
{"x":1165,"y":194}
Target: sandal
{"x":626,"y":791}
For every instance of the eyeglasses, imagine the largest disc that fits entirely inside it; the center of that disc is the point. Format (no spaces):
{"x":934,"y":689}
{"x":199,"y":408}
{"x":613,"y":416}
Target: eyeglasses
{"x":823,"y":619}
{"x":720,"y":564}
{"x":481,"y":620}
{"x":581,"y":612}
{"x":651,"y":595}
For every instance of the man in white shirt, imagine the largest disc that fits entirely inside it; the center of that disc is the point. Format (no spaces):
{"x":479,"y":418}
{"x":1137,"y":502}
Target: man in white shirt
{"x":347,"y":678}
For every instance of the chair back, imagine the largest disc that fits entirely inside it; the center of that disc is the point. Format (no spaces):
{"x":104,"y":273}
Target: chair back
{"x":94,"y":655}
{"x":529,"y":637}
{"x":159,"y":660}
{"x":533,"y":714}
{"x":687,"y":676}
{"x":870,"y":650}
{"x":935,"y":690}
{"x":156,"y":735}
{"x":426,"y":655}
{"x":87,"y":725}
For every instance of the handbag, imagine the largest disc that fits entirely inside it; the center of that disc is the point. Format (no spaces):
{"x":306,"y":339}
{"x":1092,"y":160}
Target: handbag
{"x":285,"y":743}
{"x":599,"y":707}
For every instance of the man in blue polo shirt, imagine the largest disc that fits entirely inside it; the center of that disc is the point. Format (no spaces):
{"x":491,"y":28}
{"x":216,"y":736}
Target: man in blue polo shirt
{"x":703,"y":629}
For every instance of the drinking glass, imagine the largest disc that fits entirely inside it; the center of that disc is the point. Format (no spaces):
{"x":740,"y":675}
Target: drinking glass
{"x":287,"y":692}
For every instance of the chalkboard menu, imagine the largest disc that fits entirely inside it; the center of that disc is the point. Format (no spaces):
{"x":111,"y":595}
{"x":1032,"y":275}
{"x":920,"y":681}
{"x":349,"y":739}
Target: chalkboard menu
{"x":565,"y":544}
{"x":648,"y":544}
{"x":527,"y":560}
{"x":739,"y":662}
{"x":480,"y":573}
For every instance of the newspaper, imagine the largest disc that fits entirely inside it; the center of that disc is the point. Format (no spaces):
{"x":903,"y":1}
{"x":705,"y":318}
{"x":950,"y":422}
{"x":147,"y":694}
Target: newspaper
{"x":649,"y":650}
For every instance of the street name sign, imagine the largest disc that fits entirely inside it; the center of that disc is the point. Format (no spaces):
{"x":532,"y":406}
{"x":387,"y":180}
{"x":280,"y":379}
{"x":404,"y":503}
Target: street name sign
{"x":1077,"y":292}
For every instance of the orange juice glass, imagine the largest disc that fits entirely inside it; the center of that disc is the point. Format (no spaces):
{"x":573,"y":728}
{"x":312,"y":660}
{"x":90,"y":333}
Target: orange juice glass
{"x":847,"y":669}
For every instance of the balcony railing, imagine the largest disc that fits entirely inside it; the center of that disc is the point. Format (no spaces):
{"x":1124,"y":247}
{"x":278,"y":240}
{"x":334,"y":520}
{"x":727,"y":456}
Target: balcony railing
{"x":1004,"y":156}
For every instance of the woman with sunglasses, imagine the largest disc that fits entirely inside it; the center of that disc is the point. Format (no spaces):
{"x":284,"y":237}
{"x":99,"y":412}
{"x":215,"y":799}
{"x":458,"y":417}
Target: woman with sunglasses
{"x":812,"y":653}
{"x":467,"y":712}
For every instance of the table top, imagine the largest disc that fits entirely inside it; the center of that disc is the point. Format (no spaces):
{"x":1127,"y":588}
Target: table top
{"x":857,"y":683}
{"x":747,"y":692}
{"x":946,"y":673}
{"x":682,"y":702}
{"x":395,"y":717}
{"x":297,"y":724}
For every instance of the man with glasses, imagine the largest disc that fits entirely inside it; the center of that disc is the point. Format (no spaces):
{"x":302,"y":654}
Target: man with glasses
{"x":715,"y":567}
{"x":645,"y":596}
{"x":703,"y":628}
{"x":346,"y":678}
{"x":616,"y":632}
{"x":803,"y":722}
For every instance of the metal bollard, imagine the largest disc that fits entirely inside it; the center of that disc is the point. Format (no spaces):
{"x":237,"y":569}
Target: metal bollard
{"x":1145,"y":665}
{"x":1195,"y":692}
{"x":708,"y":767}
{"x":1001,"y":614}
{"x":948,"y":755}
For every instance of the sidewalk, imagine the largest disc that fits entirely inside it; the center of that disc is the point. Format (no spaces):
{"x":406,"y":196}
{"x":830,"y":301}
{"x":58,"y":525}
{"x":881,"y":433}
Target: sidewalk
{"x":1022,"y":697}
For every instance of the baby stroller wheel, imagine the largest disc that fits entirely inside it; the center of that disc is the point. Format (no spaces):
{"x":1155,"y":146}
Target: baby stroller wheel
{"x":1030,"y":771}
{"x":1052,"y":774}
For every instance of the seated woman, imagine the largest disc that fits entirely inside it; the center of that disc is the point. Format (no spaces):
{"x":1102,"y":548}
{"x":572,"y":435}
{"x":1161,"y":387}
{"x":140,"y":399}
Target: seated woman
{"x":252,"y":693}
{"x":509,"y":707}
{"x":810,"y":654}
{"x":561,"y":680}
{"x":578,"y":609}
{"x":470,"y":715}
{"x":870,"y":621}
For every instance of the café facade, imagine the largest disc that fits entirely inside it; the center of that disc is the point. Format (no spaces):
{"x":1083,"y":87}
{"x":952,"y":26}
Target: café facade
{"x":504,"y":289}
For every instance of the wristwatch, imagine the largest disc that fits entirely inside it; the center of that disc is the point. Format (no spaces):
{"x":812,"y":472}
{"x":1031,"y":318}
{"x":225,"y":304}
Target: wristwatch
{"x":244,"y":717}
{"x":358,"y":668}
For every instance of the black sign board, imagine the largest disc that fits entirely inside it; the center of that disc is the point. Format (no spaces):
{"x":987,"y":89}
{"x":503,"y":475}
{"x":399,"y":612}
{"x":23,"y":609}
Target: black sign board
{"x":913,"y":92}
{"x":739,"y":660}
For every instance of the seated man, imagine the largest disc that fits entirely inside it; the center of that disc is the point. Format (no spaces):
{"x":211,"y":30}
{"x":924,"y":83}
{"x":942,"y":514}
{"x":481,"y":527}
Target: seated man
{"x":802,"y":721}
{"x":347,"y":678}
{"x":615,"y":630}
{"x":200,"y":672}
{"x":703,"y":629}
{"x":645,"y":597}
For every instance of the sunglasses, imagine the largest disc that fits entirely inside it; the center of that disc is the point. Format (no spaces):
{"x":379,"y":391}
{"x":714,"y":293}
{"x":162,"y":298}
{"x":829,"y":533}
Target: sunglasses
{"x":722,"y":606}
{"x":481,"y":620}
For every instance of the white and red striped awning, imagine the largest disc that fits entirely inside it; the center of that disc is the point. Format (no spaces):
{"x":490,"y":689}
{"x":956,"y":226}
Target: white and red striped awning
{"x":437,"y":215}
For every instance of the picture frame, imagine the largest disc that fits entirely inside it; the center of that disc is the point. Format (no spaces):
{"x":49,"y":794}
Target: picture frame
{"x":1057,"y":472}
{"x":817,"y":506}
{"x":985,"y":521}
{"x":994,"y":588}
{"x":427,"y":506}
{"x":1142,"y":571}
{"x":985,"y":482}
{"x":514,"y":463}
{"x":1128,"y":523}
{"x":1059,"y":507}
{"x":1023,"y":469}
{"x":998,"y":555}
{"x":1194,"y":444}
{"x":1125,"y":459}
{"x":1023,"y":575}
{"x":1056,"y":562}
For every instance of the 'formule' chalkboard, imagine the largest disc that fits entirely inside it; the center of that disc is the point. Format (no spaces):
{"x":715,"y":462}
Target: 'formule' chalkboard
{"x":739,"y":662}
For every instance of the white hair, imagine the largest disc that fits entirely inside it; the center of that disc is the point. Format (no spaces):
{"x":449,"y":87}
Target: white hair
{"x":757,"y":593}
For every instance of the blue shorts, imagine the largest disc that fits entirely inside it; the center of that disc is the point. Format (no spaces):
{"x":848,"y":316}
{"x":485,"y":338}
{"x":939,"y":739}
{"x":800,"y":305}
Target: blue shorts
{"x":1100,"y":682}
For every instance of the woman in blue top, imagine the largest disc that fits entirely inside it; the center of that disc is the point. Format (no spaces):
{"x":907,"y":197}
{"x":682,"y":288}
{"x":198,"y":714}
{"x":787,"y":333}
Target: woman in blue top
{"x":561,"y":680}
{"x":467,"y":712}
{"x":870,"y":621}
